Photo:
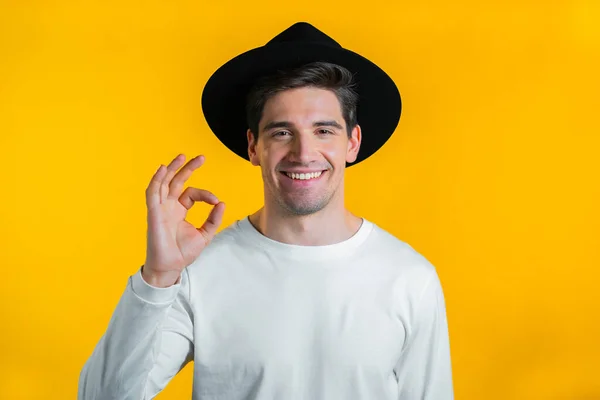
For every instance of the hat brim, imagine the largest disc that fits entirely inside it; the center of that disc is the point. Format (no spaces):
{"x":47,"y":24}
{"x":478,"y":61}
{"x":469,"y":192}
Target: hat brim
{"x":224,"y":95}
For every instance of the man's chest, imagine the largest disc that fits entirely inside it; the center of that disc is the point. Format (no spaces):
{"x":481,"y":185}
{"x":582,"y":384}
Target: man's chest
{"x":281,"y":321}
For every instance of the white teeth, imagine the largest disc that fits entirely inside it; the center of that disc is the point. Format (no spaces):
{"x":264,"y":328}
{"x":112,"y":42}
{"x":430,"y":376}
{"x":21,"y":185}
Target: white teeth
{"x":307,"y":176}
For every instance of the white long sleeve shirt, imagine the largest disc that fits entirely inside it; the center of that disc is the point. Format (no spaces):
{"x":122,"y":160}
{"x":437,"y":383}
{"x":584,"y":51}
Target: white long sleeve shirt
{"x":363,"y":319}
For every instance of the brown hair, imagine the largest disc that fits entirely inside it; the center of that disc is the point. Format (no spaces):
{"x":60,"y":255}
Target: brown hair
{"x":317,"y":74}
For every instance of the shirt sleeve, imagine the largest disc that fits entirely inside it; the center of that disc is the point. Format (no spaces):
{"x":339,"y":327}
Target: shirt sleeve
{"x":149,"y":339}
{"x":424,"y":370}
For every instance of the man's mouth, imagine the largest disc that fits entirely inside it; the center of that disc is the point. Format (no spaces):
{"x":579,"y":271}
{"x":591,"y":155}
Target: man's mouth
{"x":303,"y":176}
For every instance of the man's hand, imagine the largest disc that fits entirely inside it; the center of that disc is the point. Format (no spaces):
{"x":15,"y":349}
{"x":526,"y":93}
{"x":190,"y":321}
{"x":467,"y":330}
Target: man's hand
{"x":174,"y":243}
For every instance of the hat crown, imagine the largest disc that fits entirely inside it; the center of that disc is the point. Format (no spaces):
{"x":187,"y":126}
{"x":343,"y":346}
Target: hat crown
{"x":303,"y":32}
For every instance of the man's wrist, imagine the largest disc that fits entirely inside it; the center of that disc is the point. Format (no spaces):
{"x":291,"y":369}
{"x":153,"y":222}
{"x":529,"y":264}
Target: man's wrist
{"x":160,"y":280}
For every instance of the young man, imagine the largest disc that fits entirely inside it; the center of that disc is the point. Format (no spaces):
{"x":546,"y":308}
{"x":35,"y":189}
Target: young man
{"x":302,"y":299}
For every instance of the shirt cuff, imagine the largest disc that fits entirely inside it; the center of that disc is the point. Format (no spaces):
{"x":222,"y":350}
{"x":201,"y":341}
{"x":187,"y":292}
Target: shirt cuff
{"x":153,"y":294}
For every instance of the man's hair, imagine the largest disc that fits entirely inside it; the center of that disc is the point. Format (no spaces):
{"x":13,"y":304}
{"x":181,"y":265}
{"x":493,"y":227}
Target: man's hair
{"x":320,"y":75}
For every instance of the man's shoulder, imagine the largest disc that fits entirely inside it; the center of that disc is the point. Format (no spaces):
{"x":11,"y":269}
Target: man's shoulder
{"x":229,"y":238}
{"x":399,"y":252}
{"x":227,"y":242}
{"x":413,"y":272}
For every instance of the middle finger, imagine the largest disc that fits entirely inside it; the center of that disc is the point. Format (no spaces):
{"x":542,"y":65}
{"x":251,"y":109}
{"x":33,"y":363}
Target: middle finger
{"x":176,"y":185}
{"x":171,"y":169}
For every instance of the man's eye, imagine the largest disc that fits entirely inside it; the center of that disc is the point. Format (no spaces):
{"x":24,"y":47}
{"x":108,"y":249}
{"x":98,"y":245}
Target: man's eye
{"x":325,"y":131}
{"x":280,"y":133}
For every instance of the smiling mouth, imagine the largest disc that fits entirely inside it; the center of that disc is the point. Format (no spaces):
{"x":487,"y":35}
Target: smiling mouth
{"x":303,"y":176}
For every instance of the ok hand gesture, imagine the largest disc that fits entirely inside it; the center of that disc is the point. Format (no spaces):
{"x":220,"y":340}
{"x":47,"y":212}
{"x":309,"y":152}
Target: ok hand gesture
{"x":173,"y":243}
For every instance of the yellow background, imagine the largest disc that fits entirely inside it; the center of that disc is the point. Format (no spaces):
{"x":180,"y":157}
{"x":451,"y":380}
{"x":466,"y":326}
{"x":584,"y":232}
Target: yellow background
{"x":493,"y":173}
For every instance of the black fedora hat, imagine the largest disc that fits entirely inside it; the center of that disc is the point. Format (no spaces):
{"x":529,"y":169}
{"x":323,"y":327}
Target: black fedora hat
{"x":224,"y":95}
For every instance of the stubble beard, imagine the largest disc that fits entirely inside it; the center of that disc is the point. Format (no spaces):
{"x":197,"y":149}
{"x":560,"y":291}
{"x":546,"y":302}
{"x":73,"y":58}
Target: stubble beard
{"x":299,"y":204}
{"x":302,"y":202}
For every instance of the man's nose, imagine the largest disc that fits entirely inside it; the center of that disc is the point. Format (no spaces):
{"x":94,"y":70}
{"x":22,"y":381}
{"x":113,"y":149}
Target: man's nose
{"x":303,"y":148}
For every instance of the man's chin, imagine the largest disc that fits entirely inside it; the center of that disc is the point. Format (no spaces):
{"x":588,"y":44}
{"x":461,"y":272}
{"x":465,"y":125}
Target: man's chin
{"x":303,"y":208}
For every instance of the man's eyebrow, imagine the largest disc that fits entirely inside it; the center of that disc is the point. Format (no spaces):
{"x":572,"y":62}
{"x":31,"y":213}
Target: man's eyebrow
{"x":287,"y":124}
{"x":278,"y":124}
{"x":332,"y":123}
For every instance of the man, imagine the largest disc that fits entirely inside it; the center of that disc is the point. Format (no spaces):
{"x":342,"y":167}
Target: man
{"x":302,"y":299}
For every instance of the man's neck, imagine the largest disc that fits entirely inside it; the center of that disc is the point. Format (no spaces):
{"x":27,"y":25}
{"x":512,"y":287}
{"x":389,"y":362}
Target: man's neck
{"x":327,"y":226}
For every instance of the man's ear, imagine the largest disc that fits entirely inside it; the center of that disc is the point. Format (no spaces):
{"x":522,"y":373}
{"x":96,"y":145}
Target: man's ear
{"x":354,"y":144}
{"x":252,"y":143}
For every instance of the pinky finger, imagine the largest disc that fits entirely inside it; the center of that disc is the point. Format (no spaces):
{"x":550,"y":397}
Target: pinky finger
{"x":153,"y":189}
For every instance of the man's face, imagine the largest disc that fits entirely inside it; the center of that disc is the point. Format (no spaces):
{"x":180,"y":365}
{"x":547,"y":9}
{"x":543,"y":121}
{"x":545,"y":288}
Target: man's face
{"x":302,"y":149}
